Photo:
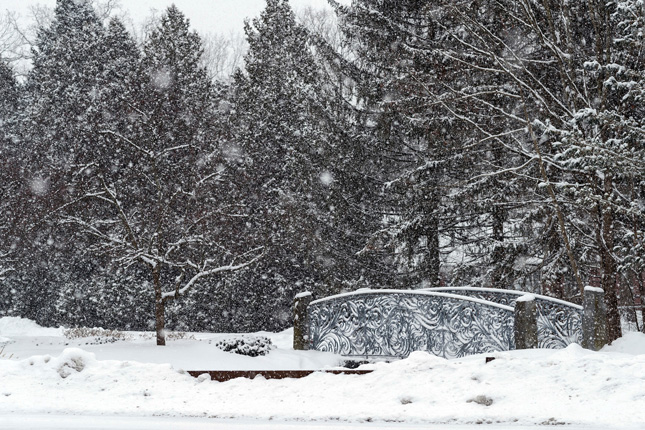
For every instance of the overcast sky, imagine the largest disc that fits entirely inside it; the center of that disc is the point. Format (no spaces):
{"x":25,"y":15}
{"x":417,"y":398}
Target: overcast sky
{"x":206,"y":16}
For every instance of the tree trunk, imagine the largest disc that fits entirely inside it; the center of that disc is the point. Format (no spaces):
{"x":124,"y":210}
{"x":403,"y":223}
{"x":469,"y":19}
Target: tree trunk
{"x":638,"y":270}
{"x":554,"y":199}
{"x":432,"y":256}
{"x":498,"y":248}
{"x":641,"y":287}
{"x":432,"y":266}
{"x":608,"y":265}
{"x":608,"y":283}
{"x":160,"y":308}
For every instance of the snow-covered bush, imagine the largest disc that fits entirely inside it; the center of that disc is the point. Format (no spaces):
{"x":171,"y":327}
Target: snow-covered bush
{"x":253,"y":346}
{"x":99,"y":335}
{"x":96,"y":336}
{"x":179,"y":335}
{"x":71,"y":361}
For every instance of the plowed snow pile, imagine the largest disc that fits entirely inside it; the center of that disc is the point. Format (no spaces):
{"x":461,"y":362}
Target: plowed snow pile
{"x":16,"y":326}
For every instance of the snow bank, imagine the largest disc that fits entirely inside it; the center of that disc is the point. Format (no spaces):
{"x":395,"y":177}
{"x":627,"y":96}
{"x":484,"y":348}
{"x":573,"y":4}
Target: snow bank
{"x":16,"y":326}
{"x":282,"y":340}
{"x":572,"y":385}
{"x":631,"y":343}
{"x":135,"y":378}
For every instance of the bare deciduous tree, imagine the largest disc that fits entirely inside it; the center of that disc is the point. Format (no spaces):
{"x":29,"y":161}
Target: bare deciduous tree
{"x":223,"y":54}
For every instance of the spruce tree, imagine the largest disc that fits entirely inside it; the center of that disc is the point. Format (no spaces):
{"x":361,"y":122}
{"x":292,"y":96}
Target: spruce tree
{"x":410,"y":143}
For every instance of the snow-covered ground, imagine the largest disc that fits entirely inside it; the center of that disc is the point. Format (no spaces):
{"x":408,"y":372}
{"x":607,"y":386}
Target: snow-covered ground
{"x":196,"y":351}
{"x":42,"y":373}
{"x":76,"y":422}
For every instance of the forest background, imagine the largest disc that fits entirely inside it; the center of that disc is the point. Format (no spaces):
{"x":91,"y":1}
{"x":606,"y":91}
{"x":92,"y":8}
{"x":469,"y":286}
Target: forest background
{"x":161,"y":180}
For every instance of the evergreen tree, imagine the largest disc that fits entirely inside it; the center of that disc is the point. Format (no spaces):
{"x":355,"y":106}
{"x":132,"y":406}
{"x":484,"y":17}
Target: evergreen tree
{"x":117,"y":90}
{"x":8,"y":92}
{"x":9,"y":179}
{"x":164,"y":207}
{"x":62,"y":89}
{"x":355,"y":200}
{"x":563,"y":115}
{"x":284,"y":157}
{"x":58,"y":135}
{"x":410,"y":142}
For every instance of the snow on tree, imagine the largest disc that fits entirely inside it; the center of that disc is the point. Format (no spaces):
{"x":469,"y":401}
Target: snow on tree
{"x":512,"y":131}
{"x":132,"y":163}
{"x":166,"y":206}
{"x":410,"y":142}
{"x":8,"y":173}
{"x":494,"y":143}
{"x":563,"y":77}
{"x":281,"y":151}
{"x":56,"y":135}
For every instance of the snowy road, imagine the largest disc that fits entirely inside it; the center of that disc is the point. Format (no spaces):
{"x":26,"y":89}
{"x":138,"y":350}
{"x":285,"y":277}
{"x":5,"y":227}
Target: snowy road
{"x":73,"y":422}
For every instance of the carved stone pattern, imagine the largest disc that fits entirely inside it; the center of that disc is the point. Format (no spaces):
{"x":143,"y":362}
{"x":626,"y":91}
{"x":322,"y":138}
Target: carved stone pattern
{"x":559,"y":325}
{"x":393,"y":324}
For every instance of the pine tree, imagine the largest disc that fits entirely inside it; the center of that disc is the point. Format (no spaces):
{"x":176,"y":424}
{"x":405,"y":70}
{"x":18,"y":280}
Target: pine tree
{"x":284,"y":156}
{"x":9,"y":180}
{"x":602,"y":142}
{"x":630,"y":27}
{"x":514,"y":78}
{"x":402,"y":131}
{"x":355,"y":200}
{"x":58,"y":141}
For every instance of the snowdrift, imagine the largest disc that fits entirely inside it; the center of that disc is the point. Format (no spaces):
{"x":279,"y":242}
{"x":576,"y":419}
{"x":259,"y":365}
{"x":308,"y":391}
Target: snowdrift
{"x":568,"y":386}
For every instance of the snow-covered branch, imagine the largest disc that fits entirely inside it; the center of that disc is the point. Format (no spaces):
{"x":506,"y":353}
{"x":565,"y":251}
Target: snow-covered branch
{"x":205,"y":271}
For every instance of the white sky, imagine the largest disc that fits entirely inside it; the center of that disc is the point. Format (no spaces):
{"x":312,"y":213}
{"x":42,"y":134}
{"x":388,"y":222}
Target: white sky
{"x":206,"y":16}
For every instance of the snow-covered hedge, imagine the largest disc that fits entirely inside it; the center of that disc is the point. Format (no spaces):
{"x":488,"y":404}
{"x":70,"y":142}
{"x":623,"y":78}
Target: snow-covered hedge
{"x":98,"y":335}
{"x":253,"y":346}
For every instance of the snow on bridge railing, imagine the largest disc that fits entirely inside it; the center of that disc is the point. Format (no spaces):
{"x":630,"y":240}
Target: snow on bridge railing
{"x":559,"y":322}
{"x":500,"y":292}
{"x":394,"y":323}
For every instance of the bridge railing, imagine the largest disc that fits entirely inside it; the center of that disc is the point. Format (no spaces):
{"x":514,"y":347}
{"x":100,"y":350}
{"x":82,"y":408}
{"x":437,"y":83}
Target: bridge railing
{"x":559,"y":322}
{"x":393,"y":323}
{"x":447,"y":322}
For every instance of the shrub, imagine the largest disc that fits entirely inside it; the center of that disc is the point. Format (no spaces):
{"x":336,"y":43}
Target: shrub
{"x":252,"y":346}
{"x":99,"y":335}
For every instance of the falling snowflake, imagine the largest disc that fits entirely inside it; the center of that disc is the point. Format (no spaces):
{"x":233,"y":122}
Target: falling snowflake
{"x":326,"y":178}
{"x":161,"y":79}
{"x":233,"y":153}
{"x":39,"y":186}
